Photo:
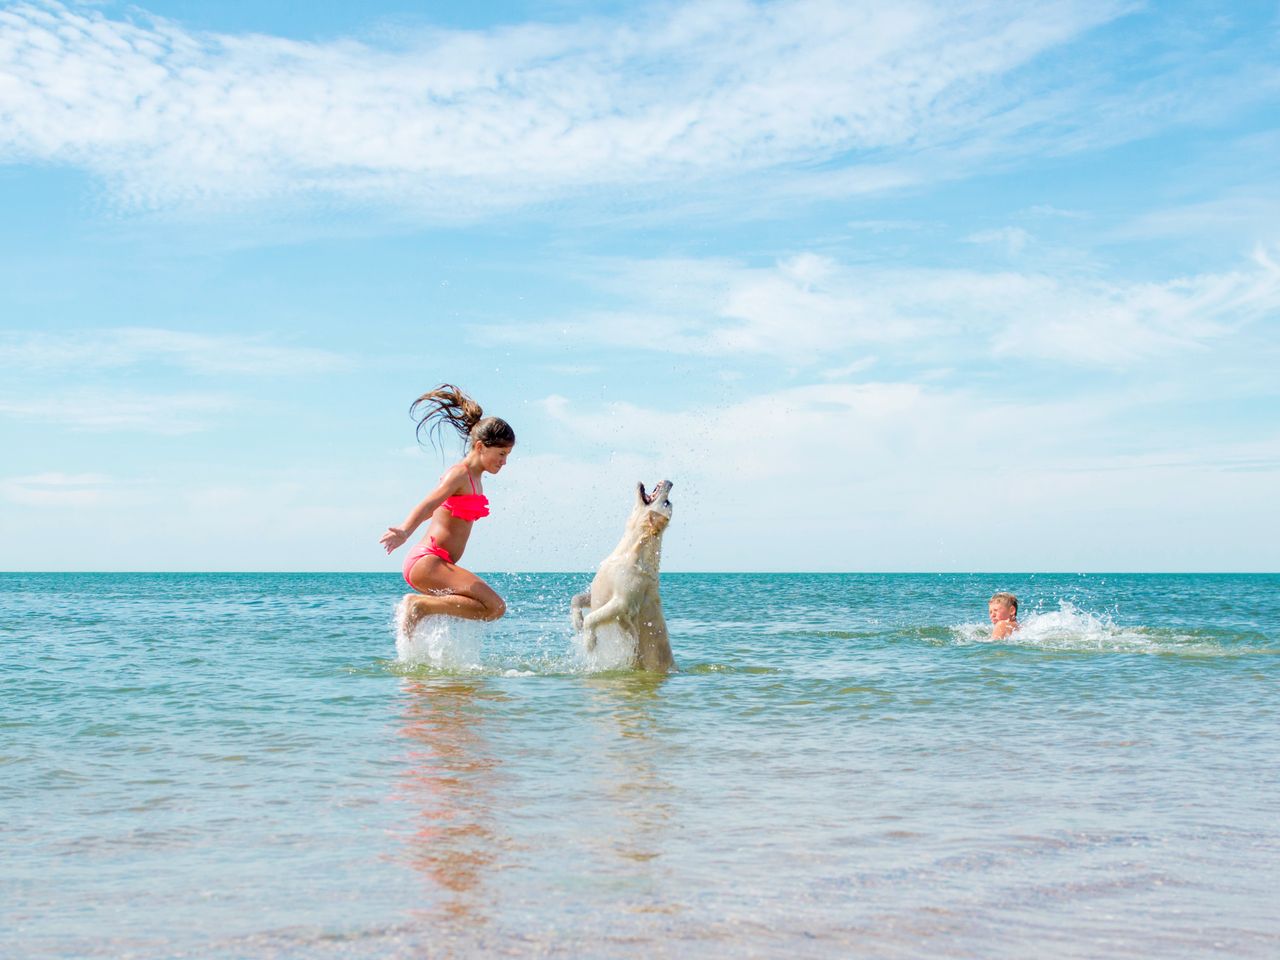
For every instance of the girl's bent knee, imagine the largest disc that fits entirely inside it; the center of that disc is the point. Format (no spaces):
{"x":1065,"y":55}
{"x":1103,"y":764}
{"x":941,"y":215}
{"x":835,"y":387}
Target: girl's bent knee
{"x":496,"y":610}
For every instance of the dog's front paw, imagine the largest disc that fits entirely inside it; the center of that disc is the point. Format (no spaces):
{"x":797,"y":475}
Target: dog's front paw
{"x":589,"y":640}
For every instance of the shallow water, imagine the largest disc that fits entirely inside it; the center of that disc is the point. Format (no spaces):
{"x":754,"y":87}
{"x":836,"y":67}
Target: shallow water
{"x":238,"y":766}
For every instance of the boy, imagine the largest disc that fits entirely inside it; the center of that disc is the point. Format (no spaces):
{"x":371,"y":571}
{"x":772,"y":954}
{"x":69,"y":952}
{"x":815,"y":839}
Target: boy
{"x":1003,"y":609}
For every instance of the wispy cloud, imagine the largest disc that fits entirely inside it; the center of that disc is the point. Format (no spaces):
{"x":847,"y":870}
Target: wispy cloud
{"x":1250,"y":210}
{"x":901,"y":476}
{"x":874,"y":428}
{"x":850,"y":369}
{"x":102,"y":410}
{"x":1013,"y":239}
{"x":1048,"y":210}
{"x":812,"y":309}
{"x":457,"y":121}
{"x":886,"y":226}
{"x":55,"y":489}
{"x":1114,"y":324}
{"x":198,"y":353}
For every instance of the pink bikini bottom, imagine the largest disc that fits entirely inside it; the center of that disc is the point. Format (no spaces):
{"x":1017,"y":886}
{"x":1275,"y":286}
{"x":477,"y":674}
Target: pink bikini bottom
{"x":423,"y":549}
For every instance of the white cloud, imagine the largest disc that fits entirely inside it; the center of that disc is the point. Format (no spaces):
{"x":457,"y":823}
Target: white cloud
{"x":849,"y":369}
{"x":1115,"y":324}
{"x":110,"y":356}
{"x":456,"y":121}
{"x":133,"y":346}
{"x":283,"y":518}
{"x":810,"y":309}
{"x":1249,"y":210}
{"x":1048,"y":210}
{"x":1013,"y":239}
{"x":91,"y":410}
{"x":891,"y":476}
{"x":886,"y":226}
{"x":880,"y":476}
{"x":55,"y":489}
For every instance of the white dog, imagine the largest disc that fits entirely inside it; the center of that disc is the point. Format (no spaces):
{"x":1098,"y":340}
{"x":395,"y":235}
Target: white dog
{"x":624,"y":592}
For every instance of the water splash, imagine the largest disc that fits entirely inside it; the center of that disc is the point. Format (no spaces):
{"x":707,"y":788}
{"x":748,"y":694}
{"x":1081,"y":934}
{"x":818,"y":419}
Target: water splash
{"x":448,"y":643}
{"x":1071,"y":628}
{"x":615,"y":649}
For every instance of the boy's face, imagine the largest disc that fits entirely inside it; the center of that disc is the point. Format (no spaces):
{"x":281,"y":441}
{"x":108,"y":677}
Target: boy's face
{"x":1000,"y":610}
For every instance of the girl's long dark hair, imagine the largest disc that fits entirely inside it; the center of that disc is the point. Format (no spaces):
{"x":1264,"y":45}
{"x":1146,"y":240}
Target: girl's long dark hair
{"x":448,"y":404}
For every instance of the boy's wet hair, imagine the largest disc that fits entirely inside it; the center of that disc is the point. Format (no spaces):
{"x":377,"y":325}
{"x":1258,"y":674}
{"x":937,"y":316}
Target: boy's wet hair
{"x":1006,"y":598}
{"x":448,"y":404}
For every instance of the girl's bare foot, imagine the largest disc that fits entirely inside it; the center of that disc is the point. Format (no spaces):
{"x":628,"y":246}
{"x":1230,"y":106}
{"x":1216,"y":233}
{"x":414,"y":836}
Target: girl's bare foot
{"x":411,"y":611}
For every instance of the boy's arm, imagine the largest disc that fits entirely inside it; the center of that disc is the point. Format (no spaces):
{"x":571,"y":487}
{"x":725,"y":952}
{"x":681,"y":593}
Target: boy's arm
{"x":1003,"y":629}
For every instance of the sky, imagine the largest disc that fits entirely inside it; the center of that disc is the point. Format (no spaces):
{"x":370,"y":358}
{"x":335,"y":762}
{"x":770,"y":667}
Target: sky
{"x":880,"y":287}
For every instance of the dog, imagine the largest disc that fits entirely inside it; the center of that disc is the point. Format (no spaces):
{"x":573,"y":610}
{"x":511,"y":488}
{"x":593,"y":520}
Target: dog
{"x":624,"y":592}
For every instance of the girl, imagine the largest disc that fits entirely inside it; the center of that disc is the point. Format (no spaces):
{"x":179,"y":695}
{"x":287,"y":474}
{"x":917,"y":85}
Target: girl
{"x":454,"y":506}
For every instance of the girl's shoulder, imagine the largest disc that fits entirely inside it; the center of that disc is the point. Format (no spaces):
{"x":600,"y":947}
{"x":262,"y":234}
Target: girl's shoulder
{"x":455,"y":476}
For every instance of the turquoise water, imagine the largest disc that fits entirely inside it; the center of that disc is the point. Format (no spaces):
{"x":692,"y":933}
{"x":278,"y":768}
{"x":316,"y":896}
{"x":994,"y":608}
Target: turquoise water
{"x":238,"y":766}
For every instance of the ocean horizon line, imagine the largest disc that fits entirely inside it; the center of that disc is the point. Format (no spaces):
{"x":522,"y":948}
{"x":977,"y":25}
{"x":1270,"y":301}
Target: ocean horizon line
{"x":677,"y":573}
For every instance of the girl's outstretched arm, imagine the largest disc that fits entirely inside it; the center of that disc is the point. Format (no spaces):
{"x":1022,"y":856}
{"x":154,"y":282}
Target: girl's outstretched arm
{"x":395,"y":536}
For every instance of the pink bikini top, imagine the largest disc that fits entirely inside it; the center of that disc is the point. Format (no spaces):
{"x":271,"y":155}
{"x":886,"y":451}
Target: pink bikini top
{"x":468,"y":506}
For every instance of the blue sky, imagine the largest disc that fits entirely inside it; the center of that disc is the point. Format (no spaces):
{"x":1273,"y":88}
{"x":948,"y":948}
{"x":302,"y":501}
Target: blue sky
{"x":920,"y":286}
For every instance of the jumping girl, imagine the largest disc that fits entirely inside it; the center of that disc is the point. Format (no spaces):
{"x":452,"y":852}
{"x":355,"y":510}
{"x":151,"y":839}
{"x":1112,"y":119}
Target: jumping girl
{"x":431,"y":568}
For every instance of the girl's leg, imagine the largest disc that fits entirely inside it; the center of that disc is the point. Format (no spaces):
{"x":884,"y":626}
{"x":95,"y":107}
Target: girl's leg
{"x":451,"y":590}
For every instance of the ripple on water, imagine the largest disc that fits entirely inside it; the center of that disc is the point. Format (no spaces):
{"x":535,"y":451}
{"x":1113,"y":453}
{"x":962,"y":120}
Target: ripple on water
{"x":835,"y":770}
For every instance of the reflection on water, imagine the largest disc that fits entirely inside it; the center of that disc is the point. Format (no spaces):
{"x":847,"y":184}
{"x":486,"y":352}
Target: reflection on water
{"x":632,"y":779}
{"x":451,"y":779}
{"x":497,"y":822}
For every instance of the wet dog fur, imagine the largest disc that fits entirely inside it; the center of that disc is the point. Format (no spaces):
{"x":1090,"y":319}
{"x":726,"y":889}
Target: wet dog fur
{"x":625,"y":589}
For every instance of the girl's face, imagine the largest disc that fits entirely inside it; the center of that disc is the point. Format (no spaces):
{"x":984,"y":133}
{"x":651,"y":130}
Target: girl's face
{"x":492,"y":459}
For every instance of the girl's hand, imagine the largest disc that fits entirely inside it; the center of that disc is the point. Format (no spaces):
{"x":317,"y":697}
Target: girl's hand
{"x":393,"y":538}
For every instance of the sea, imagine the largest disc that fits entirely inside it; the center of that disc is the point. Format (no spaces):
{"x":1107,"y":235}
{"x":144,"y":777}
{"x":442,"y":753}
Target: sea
{"x":254,"y":765}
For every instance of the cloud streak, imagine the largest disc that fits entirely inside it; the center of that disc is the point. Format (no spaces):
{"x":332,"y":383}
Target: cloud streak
{"x":198,"y":353}
{"x":897,"y":476}
{"x":458,"y":121}
{"x":55,"y":489}
{"x":811,"y":309}
{"x":110,"y":410}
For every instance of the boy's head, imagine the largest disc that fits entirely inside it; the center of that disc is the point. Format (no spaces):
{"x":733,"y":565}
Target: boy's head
{"x":1003,"y":606}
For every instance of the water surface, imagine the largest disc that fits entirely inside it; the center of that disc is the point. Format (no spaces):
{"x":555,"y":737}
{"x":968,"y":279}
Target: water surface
{"x":237,"y":765}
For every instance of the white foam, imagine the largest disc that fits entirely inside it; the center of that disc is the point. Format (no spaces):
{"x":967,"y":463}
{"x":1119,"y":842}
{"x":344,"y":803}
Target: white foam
{"x":449,"y":643}
{"x":1070,"y":628}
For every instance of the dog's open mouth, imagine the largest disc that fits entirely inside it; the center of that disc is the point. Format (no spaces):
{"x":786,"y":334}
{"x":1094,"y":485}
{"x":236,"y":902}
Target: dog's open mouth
{"x":660,"y":489}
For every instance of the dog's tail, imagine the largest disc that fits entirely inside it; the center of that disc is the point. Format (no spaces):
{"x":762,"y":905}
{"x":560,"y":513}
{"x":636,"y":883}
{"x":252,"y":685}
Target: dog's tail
{"x":578,"y":608}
